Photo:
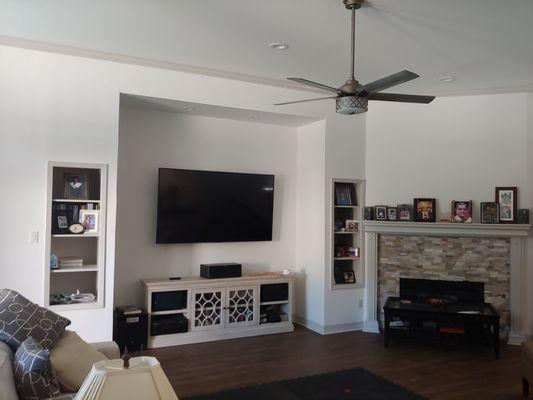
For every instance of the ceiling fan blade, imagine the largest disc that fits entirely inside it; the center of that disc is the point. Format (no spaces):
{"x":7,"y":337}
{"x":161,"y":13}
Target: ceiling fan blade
{"x":387,"y":82}
{"x":303,"y":101}
{"x":315,"y":84}
{"x":405,"y":98}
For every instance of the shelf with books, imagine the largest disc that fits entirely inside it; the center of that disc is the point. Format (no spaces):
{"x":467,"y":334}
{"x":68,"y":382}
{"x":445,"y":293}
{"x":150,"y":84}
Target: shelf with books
{"x":347,"y":240}
{"x":75,"y":235}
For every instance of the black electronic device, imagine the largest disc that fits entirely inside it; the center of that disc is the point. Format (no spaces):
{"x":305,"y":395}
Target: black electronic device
{"x":168,"y":324}
{"x":171,"y":300}
{"x":175,"y":278}
{"x":274,"y":292}
{"x":130,"y":330}
{"x":220,"y":270}
{"x":207,"y":206}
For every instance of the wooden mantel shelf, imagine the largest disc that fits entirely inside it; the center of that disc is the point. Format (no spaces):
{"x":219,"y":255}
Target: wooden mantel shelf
{"x":447,"y":229}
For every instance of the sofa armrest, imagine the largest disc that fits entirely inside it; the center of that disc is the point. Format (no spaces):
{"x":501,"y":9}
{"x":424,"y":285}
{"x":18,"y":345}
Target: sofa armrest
{"x":108,"y":349}
{"x":8,"y":390}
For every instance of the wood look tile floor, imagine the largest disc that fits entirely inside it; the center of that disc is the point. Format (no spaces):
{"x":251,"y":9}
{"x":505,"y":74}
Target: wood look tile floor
{"x":448,"y":372}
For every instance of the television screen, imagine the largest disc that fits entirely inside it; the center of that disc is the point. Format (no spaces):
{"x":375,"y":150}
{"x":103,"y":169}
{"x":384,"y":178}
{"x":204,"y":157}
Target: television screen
{"x":207,"y":206}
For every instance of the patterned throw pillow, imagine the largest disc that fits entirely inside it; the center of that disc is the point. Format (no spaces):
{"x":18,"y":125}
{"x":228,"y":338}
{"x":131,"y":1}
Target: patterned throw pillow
{"x":33,"y":374}
{"x":20,"y":319}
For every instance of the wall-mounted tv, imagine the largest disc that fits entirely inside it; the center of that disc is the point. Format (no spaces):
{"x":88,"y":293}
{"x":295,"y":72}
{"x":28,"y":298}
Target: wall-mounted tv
{"x":208,"y":206}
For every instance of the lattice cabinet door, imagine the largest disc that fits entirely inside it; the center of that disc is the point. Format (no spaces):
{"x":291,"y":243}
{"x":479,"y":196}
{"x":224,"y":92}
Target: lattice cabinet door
{"x":208,"y":309}
{"x":242,"y":306}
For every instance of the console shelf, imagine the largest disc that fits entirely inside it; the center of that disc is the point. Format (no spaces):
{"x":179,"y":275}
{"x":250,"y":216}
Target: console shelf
{"x":217,"y":309}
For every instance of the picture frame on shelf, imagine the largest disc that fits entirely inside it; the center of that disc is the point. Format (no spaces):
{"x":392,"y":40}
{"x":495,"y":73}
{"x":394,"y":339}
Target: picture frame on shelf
{"x":507,"y":197}
{"x":461,"y":211}
{"x":489,"y":212}
{"x":391,"y":214}
{"x":349,"y":276}
{"x":89,"y":219}
{"x":75,"y":187}
{"x":343,"y":195}
{"x":404,"y":212}
{"x":352,"y":225}
{"x":369,"y":213}
{"x":380,"y":213}
{"x":424,"y":209}
{"x":62,"y":222}
{"x":523,"y":216}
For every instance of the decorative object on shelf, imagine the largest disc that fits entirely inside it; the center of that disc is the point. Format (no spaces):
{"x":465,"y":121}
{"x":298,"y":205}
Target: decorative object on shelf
{"x":523,"y":215}
{"x":404,"y":212}
{"x":380,"y":213}
{"x":490,"y":212}
{"x":425,"y":209}
{"x":89,"y":219}
{"x":461,"y":211}
{"x":507,"y":198}
{"x":343,"y":196}
{"x":369,"y":213}
{"x":351,"y":251}
{"x":142,"y":379}
{"x":75,"y":186}
{"x":62,"y":222}
{"x":339,"y":252}
{"x":82,"y":297}
{"x":391,"y":214}
{"x":76,"y":228}
{"x":339,"y":226}
{"x":352,"y":225}
{"x":54,"y":262}
{"x":349,"y":276}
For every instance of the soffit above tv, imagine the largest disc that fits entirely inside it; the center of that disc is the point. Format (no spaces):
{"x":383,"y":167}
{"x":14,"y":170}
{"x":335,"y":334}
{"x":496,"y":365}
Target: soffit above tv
{"x":209,"y":110}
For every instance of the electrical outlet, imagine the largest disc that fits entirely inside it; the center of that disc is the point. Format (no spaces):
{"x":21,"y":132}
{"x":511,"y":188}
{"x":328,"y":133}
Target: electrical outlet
{"x":34,"y":237}
{"x":360,"y":303}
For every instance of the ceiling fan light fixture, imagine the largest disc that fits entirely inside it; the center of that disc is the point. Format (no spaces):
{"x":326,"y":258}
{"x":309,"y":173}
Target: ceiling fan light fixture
{"x":350,"y":105}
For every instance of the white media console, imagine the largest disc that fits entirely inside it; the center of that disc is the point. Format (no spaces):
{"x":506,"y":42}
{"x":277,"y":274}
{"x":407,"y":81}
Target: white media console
{"x":216,"y":309}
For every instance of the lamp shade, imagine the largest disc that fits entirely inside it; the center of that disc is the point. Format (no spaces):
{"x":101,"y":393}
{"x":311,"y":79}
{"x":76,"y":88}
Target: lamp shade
{"x":144,"y":380}
{"x":351,"y":105}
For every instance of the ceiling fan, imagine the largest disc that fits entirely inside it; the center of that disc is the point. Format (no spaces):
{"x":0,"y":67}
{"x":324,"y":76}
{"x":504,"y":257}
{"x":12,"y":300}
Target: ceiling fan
{"x":352,"y":97}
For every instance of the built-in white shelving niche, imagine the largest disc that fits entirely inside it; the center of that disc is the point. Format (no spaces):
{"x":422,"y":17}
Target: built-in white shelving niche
{"x":63,"y":208}
{"x":347,"y":264}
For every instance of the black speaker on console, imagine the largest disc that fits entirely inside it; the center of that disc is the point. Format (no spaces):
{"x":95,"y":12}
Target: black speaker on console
{"x":220,"y":270}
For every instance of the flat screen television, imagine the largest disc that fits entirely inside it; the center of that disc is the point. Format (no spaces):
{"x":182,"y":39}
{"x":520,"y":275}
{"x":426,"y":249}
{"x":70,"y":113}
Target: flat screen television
{"x":208,"y":206}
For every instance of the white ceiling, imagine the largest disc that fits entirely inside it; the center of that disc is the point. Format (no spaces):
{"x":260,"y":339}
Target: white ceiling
{"x":486,"y":44}
{"x":208,"y":110}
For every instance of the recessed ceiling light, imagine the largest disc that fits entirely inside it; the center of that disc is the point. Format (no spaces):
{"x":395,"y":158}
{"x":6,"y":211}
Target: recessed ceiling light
{"x":278,"y":46}
{"x":446,"y":79}
{"x":189,"y":109}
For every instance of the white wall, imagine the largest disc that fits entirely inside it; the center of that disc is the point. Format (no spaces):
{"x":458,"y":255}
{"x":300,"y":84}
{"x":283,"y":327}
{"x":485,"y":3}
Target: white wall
{"x":66,"y":108}
{"x":310,"y":222}
{"x":456,"y":148}
{"x":345,"y":159}
{"x":153,"y":139}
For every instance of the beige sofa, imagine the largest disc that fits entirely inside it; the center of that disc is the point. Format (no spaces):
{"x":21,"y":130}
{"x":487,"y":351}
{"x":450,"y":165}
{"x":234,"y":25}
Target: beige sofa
{"x":7,"y":383}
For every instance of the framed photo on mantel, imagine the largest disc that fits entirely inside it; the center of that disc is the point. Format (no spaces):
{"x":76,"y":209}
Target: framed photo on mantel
{"x":507,"y":198}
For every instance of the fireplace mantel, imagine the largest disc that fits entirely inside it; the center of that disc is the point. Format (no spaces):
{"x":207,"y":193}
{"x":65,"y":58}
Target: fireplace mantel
{"x":447,"y":229}
{"x":516,"y":233}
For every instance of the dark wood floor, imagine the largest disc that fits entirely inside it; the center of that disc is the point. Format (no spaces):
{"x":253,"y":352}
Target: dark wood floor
{"x":444,"y":372}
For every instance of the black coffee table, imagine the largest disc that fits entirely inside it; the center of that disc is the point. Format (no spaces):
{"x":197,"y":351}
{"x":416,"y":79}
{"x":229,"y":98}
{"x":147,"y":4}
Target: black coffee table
{"x":482,"y":314}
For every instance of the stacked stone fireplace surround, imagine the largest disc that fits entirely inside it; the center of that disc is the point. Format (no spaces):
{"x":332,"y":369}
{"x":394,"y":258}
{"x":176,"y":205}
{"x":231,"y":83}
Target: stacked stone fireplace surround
{"x":475,"y":259}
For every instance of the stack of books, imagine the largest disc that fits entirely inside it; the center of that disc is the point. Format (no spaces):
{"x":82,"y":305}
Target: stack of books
{"x":70,"y":262}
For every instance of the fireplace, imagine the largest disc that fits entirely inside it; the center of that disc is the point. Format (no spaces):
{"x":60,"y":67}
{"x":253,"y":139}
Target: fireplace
{"x":489,"y":253}
{"x":441,"y":292}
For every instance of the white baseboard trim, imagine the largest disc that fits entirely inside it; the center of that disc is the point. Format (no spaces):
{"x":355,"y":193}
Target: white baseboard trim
{"x":328,"y":329}
{"x":516,"y":338}
{"x":371,"y":326}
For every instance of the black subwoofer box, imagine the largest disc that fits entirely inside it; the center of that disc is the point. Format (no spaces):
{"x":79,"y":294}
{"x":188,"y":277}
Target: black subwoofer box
{"x":130,"y":330}
{"x":171,"y":300}
{"x":221,"y":270}
{"x":274,"y":292}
